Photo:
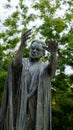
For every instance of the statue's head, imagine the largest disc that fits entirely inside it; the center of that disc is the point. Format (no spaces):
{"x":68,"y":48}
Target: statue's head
{"x":36,"y":49}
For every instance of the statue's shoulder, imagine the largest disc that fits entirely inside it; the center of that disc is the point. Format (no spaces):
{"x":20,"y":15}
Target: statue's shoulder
{"x":44,"y":64}
{"x":24,"y":60}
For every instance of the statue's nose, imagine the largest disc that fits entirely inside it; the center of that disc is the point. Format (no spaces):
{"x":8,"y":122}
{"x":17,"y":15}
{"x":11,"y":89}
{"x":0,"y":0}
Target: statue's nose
{"x":34,"y":50}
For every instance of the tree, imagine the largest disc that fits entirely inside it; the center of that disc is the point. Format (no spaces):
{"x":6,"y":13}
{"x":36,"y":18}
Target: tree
{"x":53,"y":26}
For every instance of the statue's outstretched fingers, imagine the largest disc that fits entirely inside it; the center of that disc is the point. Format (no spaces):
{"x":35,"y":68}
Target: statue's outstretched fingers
{"x":26,"y":33}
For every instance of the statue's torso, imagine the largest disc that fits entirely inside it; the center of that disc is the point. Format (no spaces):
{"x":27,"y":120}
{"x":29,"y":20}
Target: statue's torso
{"x":31,"y":70}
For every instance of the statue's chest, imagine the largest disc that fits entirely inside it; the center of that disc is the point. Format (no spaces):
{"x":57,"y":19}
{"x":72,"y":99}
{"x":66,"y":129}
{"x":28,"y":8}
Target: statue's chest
{"x":30,"y":67}
{"x":34,"y":69}
{"x":31,"y":74}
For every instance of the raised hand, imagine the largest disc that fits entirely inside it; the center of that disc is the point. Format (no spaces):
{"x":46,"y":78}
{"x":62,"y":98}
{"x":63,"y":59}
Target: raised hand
{"x":25,"y":36}
{"x":18,"y":58}
{"x":53,"y":46}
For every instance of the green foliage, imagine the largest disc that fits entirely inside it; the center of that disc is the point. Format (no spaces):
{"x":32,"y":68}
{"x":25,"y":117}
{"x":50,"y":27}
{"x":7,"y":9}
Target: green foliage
{"x":63,"y":106}
{"x":59,"y":25}
{"x":52,"y":27}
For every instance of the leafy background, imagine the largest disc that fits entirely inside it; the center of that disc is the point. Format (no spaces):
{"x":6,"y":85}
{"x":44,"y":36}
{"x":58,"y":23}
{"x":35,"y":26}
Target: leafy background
{"x":53,"y":24}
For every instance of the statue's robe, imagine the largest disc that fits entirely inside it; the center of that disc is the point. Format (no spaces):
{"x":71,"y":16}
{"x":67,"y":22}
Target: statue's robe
{"x":26,"y":102}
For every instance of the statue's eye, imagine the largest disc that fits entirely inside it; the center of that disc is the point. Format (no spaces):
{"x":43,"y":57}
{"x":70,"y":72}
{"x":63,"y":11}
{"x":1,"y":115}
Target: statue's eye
{"x":37,"y":49}
{"x":32,"y":48}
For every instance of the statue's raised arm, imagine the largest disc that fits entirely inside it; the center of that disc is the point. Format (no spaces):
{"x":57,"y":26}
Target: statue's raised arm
{"x":53,"y":49}
{"x":19,"y":54}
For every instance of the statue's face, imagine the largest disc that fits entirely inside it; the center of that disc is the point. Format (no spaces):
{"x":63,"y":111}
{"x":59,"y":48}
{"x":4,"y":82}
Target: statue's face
{"x":36,"y":50}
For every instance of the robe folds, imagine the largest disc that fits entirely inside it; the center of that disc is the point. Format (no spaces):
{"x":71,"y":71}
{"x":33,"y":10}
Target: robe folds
{"x":26,"y":103}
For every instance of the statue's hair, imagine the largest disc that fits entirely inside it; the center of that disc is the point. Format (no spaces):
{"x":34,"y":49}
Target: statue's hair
{"x":39,"y":42}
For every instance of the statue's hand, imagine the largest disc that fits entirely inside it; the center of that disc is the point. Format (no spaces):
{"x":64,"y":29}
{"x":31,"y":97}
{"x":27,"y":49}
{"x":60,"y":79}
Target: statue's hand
{"x":25,"y":36}
{"x":52,"y":46}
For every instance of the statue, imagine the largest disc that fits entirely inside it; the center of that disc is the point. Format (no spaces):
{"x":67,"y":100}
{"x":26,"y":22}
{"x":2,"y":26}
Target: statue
{"x":26,"y":102}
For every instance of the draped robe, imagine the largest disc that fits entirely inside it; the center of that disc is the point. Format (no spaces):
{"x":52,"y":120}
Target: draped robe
{"x":26,"y":102}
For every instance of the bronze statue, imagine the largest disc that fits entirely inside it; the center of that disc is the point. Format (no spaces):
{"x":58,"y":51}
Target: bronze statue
{"x":26,"y":102}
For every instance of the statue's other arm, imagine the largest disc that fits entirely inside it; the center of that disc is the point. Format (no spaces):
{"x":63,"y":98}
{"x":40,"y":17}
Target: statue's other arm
{"x":52,"y":48}
{"x":52,"y":64}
